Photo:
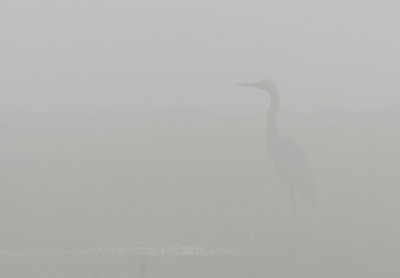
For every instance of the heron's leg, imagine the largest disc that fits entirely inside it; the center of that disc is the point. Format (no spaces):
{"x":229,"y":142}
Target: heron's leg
{"x":97,"y":271}
{"x":142,"y":268}
{"x":293,"y":209}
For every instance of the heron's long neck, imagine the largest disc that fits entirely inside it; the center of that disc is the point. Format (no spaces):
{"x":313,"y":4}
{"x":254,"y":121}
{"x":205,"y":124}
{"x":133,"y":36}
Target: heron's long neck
{"x":272,"y":130}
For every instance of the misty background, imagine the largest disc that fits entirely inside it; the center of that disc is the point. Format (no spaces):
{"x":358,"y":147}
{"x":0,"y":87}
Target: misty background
{"x":120,"y":124}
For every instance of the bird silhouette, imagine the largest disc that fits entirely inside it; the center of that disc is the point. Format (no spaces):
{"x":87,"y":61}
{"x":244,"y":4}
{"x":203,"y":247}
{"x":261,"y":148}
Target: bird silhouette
{"x":288,"y":156}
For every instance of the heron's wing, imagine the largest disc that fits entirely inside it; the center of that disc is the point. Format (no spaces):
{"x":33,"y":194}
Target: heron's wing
{"x":294,"y":170}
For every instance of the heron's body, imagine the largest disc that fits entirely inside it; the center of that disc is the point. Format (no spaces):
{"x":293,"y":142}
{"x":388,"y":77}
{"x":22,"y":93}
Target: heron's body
{"x":293,"y":169}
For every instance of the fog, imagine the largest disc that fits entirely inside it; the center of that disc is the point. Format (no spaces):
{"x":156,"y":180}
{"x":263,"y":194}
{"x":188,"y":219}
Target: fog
{"x":121,"y":125}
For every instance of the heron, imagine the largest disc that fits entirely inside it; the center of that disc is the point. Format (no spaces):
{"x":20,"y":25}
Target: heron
{"x":289,"y":158}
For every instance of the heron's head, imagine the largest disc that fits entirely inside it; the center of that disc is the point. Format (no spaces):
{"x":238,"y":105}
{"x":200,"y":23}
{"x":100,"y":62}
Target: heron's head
{"x":265,"y":85}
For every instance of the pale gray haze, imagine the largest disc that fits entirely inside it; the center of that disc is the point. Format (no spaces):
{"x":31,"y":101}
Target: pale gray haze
{"x":122,"y":126}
